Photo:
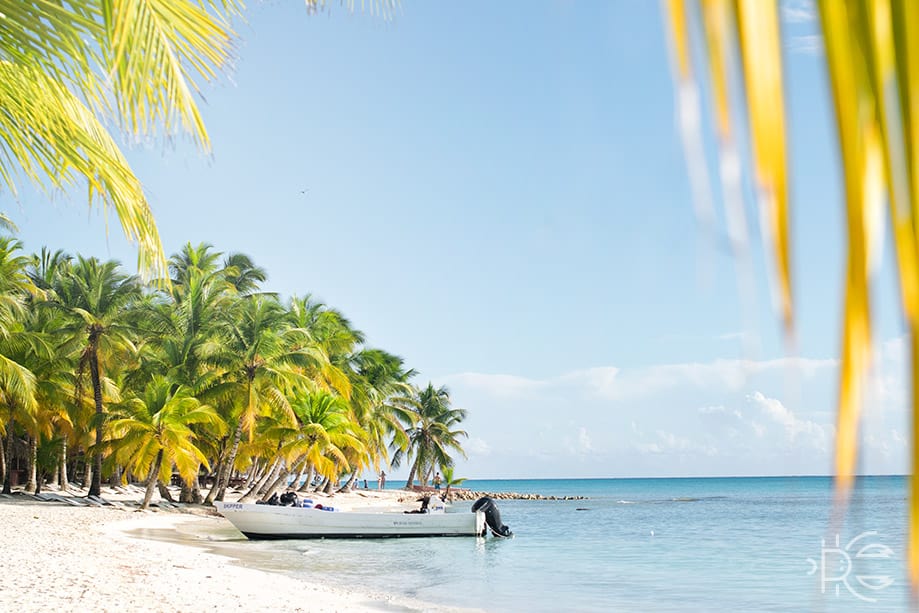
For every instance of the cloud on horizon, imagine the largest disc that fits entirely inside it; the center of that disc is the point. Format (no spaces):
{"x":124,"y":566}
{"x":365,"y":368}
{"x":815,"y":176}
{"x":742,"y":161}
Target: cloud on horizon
{"x":724,"y":417}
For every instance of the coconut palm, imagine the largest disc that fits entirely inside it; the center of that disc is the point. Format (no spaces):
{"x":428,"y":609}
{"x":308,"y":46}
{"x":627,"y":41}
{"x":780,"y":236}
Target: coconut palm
{"x":7,"y":224}
{"x":96,"y":296}
{"x":328,"y":439}
{"x":152,"y":433}
{"x":263,"y":358}
{"x":70,"y":69}
{"x":17,"y":382}
{"x":331,"y":332}
{"x":430,"y":435}
{"x":18,"y":348}
{"x":382,"y":401}
{"x":450,"y":480}
{"x":15,"y":284}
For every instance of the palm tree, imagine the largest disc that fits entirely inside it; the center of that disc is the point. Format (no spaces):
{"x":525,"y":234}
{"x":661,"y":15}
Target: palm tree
{"x":152,"y":433}
{"x":450,"y":480}
{"x":97,"y":297}
{"x":64,"y":64}
{"x":382,"y":401}
{"x":17,"y":388}
{"x":15,"y":284}
{"x":17,"y":382}
{"x":430,"y":435}
{"x":331,"y":332}
{"x":263,"y":358}
{"x":320,"y":441}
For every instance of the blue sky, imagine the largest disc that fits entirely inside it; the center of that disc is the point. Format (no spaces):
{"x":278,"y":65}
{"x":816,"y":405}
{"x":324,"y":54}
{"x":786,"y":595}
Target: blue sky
{"x":497,"y":192}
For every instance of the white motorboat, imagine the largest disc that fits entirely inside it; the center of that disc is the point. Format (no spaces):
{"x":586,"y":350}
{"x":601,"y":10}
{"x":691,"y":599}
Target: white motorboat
{"x":264,"y":521}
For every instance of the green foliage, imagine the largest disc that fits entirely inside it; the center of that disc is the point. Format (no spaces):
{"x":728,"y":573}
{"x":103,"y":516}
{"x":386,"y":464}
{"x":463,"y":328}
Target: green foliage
{"x":207,"y":370}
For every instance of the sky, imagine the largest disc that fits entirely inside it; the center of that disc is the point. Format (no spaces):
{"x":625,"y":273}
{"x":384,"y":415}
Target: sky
{"x":497,"y":192}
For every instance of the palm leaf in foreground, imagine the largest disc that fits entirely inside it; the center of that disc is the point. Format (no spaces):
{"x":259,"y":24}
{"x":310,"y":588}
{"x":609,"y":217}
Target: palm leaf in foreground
{"x":872,"y":54}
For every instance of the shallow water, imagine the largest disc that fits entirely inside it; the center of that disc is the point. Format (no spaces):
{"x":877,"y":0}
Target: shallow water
{"x":655,"y":544}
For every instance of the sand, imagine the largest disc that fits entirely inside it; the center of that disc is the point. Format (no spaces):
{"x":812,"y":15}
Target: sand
{"x":58,"y":557}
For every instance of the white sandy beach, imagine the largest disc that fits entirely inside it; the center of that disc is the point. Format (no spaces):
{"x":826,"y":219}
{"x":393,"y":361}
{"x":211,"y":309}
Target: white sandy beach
{"x":58,"y":557}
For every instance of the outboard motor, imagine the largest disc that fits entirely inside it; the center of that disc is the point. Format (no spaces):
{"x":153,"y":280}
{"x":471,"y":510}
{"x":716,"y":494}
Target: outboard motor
{"x":289,"y":499}
{"x":492,"y":516}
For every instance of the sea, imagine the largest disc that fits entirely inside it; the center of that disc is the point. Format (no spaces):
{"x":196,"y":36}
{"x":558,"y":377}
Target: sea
{"x":669,"y":544}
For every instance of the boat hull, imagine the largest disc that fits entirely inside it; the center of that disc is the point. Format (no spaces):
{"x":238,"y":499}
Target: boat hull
{"x":259,"y":521}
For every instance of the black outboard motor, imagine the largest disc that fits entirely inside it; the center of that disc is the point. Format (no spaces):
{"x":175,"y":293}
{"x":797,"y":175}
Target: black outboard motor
{"x":492,"y":516}
{"x":289,"y":499}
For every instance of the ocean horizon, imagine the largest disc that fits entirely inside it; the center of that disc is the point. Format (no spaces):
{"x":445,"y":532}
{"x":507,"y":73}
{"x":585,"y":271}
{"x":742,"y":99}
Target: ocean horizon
{"x":659,"y":544}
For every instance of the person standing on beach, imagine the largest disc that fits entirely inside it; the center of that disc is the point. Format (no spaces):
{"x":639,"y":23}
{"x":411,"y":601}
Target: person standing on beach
{"x":437,"y":481}
{"x":381,"y":482}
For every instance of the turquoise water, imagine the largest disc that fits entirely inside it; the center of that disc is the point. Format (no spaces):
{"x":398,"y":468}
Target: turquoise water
{"x":655,"y":544}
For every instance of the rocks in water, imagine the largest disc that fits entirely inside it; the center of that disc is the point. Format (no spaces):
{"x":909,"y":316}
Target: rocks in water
{"x":471,"y":495}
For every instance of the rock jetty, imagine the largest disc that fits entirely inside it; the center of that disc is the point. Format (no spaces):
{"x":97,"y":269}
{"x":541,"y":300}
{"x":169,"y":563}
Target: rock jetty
{"x":472,"y":495}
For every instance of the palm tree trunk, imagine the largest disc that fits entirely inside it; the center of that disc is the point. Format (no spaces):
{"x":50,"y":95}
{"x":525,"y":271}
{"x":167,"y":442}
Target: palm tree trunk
{"x":254,"y":490}
{"x":277,"y":483}
{"x":2,"y":460}
{"x":411,"y":474}
{"x":296,"y":481}
{"x":165,"y":494}
{"x":55,"y":476}
{"x":309,"y":480}
{"x":87,"y":474}
{"x":8,"y":473}
{"x":234,"y":448}
{"x":39,"y":481}
{"x":350,"y":483}
{"x":63,"y":483}
{"x":212,"y":493}
{"x":116,"y":477}
{"x":224,"y":478}
{"x":95,"y":489}
{"x":190,"y":491}
{"x":152,"y":478}
{"x":33,"y":464}
{"x":255,"y":472}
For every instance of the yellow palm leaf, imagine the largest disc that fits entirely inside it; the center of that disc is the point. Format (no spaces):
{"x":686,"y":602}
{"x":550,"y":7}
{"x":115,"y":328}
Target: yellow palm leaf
{"x":760,"y":50}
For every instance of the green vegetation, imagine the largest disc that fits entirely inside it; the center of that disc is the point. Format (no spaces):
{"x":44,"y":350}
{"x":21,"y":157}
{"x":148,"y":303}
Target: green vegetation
{"x":207,"y":375}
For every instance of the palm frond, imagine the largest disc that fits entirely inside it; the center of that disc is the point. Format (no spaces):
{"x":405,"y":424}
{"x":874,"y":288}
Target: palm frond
{"x":54,"y":138}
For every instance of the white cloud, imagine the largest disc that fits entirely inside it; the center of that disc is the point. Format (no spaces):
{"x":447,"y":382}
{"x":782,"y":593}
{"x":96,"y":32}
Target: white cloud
{"x":798,"y":11}
{"x":720,"y":410}
{"x":812,"y":433}
{"x":808,"y":44}
{"x":616,"y":384}
{"x":670,"y":443}
{"x":497,"y":385}
{"x":744,"y":337}
{"x":584,"y":444}
{"x":477,"y":447}
{"x":714,"y":418}
{"x":612,"y":383}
